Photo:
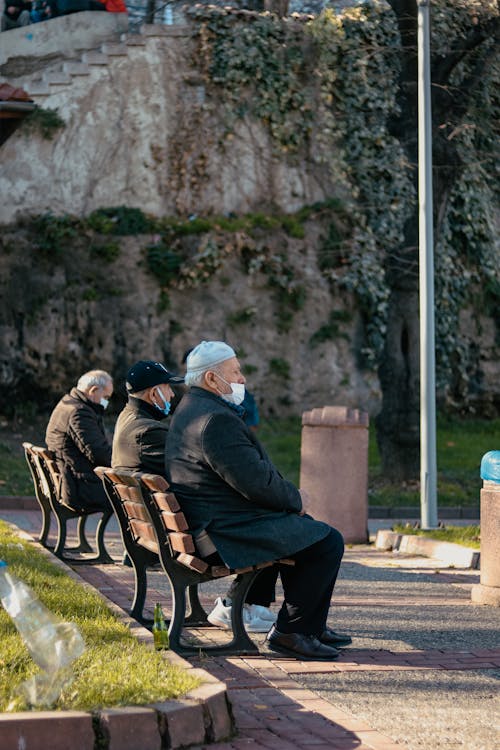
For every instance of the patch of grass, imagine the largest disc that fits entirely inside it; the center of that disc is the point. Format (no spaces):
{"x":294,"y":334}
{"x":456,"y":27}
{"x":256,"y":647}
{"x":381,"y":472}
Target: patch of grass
{"x":460,"y":447}
{"x":281,"y":439}
{"x":15,"y":478}
{"x":114,"y":670}
{"x":331,"y":330}
{"x":53,"y":234}
{"x":106,"y":251}
{"x":279,"y":367}
{"x":43,"y":121}
{"x":241,"y":317}
{"x":120,"y":220}
{"x":467,"y":536}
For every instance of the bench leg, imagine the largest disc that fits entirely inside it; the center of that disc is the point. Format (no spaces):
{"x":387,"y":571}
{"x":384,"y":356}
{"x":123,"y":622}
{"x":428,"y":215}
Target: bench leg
{"x":241,"y":643}
{"x":103,"y":557}
{"x":61,"y":537}
{"x":83,"y":544}
{"x":141,"y":560}
{"x":197,"y":615}
{"x":177,"y":620}
{"x":44,"y":531}
{"x":140,"y":590}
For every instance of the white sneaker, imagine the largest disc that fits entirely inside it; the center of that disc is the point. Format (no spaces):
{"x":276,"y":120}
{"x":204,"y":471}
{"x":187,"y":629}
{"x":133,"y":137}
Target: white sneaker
{"x":221,"y":617}
{"x":263,"y":613}
{"x":252,"y":622}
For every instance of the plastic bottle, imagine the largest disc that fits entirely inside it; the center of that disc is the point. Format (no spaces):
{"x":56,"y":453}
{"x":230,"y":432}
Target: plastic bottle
{"x":160,"y":630}
{"x":53,"y":644}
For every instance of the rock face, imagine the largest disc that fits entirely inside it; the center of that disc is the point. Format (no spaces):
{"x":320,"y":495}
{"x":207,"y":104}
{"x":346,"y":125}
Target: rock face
{"x":139,"y":131}
{"x":60,"y":317}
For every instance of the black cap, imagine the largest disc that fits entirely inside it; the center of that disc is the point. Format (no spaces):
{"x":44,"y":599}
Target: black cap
{"x":146,"y":374}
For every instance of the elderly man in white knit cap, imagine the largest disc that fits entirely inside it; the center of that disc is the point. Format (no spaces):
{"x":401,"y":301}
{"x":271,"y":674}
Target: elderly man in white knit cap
{"x":237,"y":501}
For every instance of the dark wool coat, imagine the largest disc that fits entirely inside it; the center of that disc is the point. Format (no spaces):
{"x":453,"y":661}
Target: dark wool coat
{"x":226,"y":484}
{"x":75,"y":433}
{"x":140,"y":437}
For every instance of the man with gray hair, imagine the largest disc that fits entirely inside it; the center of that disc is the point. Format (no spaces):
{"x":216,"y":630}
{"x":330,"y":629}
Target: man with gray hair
{"x":75,"y":433}
{"x":241,"y":510}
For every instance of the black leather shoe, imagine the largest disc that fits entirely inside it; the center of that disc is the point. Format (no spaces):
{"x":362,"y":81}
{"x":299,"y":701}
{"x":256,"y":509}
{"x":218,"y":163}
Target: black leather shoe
{"x":299,"y":646}
{"x":330,"y":638}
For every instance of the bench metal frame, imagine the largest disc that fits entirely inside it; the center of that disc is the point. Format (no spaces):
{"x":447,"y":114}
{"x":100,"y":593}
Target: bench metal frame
{"x":154,"y":528}
{"x":46,"y":481}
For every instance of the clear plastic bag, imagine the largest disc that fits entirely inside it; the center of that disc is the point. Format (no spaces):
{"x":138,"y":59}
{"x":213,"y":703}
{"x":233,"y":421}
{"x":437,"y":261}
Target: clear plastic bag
{"x":52,"y":643}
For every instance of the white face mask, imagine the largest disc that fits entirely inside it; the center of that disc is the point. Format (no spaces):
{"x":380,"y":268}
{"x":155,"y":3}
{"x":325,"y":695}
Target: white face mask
{"x":237,"y":392}
{"x":104,"y":402}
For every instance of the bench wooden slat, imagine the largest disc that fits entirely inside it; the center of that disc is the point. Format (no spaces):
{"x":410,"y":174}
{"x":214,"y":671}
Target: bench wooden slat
{"x":154,"y":482}
{"x":219,"y":571}
{"x":135,"y":494}
{"x":174,"y":521}
{"x":181,"y":542}
{"x":166,"y":501}
{"x":136,"y":510}
{"x":118,"y":478}
{"x":122,"y":490}
{"x":194,"y":563}
{"x":144,"y":534}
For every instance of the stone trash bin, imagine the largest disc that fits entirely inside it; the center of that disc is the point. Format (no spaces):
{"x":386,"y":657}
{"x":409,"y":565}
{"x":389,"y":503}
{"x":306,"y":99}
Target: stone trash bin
{"x":488,"y":590}
{"x":334,"y":468}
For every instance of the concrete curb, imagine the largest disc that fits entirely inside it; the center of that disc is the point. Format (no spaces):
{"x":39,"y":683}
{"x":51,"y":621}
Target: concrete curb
{"x":411,"y":544}
{"x":468,"y":512}
{"x":202,"y":716}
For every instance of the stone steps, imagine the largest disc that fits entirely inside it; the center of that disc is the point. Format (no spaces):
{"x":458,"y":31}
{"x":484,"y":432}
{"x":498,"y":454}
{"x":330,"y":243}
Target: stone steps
{"x":52,"y":83}
{"x":93,"y":60}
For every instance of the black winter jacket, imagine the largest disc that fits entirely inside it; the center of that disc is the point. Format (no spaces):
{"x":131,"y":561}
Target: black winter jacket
{"x":227,"y":485}
{"x":140,"y":437}
{"x":75,"y":433}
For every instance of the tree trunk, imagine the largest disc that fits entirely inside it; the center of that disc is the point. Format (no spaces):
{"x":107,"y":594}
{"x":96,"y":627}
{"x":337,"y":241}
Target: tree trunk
{"x":398,"y":423}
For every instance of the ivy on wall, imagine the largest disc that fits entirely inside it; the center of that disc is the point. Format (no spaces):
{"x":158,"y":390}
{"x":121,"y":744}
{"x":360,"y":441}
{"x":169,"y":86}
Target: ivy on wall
{"x":266,"y":68}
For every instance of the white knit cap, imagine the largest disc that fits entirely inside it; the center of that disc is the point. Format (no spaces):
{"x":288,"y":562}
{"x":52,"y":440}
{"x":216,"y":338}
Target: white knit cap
{"x":208,"y":354}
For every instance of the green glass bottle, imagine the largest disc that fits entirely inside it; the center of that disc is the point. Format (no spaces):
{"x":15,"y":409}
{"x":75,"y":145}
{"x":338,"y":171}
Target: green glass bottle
{"x":160,"y":630}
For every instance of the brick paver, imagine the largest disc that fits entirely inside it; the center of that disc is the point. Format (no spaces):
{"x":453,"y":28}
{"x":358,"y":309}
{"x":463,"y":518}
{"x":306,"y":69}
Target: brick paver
{"x":272,"y":710}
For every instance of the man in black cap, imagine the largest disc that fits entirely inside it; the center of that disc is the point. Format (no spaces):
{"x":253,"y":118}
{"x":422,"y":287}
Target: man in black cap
{"x":141,"y":430}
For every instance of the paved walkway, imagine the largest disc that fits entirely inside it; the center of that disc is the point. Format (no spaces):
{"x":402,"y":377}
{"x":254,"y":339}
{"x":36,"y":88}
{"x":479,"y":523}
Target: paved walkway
{"x":422,"y":672}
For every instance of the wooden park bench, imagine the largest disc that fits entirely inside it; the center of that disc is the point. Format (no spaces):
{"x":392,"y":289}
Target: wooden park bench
{"x":46,"y":480}
{"x":154,"y":528}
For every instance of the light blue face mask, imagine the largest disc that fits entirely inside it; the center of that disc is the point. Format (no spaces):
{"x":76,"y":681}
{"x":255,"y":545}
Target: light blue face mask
{"x":165,"y":409}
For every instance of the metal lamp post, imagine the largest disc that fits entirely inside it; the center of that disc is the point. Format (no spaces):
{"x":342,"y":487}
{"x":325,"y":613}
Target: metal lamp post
{"x":428,"y":463}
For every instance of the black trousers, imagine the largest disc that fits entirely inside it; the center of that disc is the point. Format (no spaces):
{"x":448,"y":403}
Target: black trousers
{"x":308,"y":586}
{"x":263,"y":589}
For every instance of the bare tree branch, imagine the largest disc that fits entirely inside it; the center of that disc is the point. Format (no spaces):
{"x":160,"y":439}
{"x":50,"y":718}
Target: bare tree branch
{"x":442,"y":68}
